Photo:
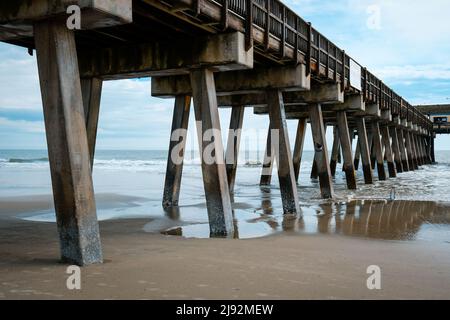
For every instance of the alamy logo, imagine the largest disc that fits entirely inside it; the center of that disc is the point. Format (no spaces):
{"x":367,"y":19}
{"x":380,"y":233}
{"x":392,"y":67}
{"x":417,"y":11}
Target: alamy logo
{"x":73,"y":282}
{"x":374,"y":280}
{"x":74,"y":20}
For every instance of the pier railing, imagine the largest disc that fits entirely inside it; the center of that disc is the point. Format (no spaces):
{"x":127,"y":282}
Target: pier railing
{"x":275,"y":31}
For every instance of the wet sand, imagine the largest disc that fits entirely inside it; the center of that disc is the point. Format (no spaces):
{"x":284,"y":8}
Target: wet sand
{"x":285,"y":265}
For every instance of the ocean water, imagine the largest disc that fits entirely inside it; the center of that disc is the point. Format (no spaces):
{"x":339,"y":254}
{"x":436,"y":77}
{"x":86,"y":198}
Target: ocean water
{"x":129,"y":184}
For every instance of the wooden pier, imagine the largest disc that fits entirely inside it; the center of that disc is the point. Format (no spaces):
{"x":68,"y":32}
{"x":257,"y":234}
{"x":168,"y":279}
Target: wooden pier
{"x":226,"y":53}
{"x":439,"y":115}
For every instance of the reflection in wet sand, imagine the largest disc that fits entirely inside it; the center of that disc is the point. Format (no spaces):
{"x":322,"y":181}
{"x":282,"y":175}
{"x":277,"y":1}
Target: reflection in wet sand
{"x":380,"y":219}
{"x":377,"y":219}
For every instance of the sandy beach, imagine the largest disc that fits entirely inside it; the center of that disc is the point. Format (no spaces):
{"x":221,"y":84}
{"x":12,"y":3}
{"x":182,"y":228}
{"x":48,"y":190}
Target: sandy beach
{"x":141,"y":265}
{"x":324,"y":255}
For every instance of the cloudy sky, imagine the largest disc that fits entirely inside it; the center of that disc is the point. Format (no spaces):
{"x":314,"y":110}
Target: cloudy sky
{"x":404,"y":42}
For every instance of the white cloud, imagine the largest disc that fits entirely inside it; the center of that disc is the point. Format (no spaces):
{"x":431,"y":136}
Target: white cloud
{"x":413,"y":45}
{"x":19,"y":81}
{"x":22,"y":125}
{"x":414,"y":72}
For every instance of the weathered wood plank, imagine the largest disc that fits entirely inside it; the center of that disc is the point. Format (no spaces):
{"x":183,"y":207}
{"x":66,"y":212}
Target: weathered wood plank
{"x":67,"y":142}
{"x":422,"y":148}
{"x":344,"y":137}
{"x":17,"y":16}
{"x":177,"y":147}
{"x":314,"y":171}
{"x":364,"y":150}
{"x":431,"y":153}
{"x":432,"y":149}
{"x":233,"y":143}
{"x":414,"y":150}
{"x":424,"y":151}
{"x":91,"y":90}
{"x":388,"y":150}
{"x":329,"y":93}
{"x":321,"y":151}
{"x":269,"y":158}
{"x":357,"y":155}
{"x":418,"y":150}
{"x":373,"y":156}
{"x":256,"y":80}
{"x":409,"y":149}
{"x":224,"y":52}
{"x":403,"y":151}
{"x":298,"y":148}
{"x":335,"y":151}
{"x":378,"y":150}
{"x":217,"y":193}
{"x":396,"y":150}
{"x":286,"y":177}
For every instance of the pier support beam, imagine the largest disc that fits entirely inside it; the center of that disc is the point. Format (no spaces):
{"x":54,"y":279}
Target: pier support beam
{"x":364,"y":150}
{"x":269,"y":157}
{"x":233,"y":143}
{"x":423,"y":144}
{"x":91,"y":90}
{"x":357,"y":155}
{"x":409,"y":149}
{"x":175,"y":157}
{"x":396,"y":150}
{"x":388,"y":150}
{"x":67,"y":142}
{"x":426,"y":153}
{"x":286,"y":177}
{"x":415,"y":150}
{"x":424,"y":150}
{"x":373,"y":155}
{"x":426,"y":145}
{"x":403,"y":151}
{"x":344,"y":137}
{"x":433,"y":156}
{"x":213,"y":165}
{"x":298,"y":148}
{"x":378,"y":150}
{"x":314,"y":173}
{"x":321,"y":151}
{"x":412,"y":138}
{"x":418,"y":150}
{"x":429,"y":142}
{"x":314,"y":170}
{"x":336,"y":149}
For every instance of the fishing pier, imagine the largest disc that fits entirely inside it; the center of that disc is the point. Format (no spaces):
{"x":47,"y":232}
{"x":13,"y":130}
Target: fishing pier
{"x":244,"y":54}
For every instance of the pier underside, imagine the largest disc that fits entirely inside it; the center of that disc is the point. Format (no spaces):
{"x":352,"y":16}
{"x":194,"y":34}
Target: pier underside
{"x":217,"y":54}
